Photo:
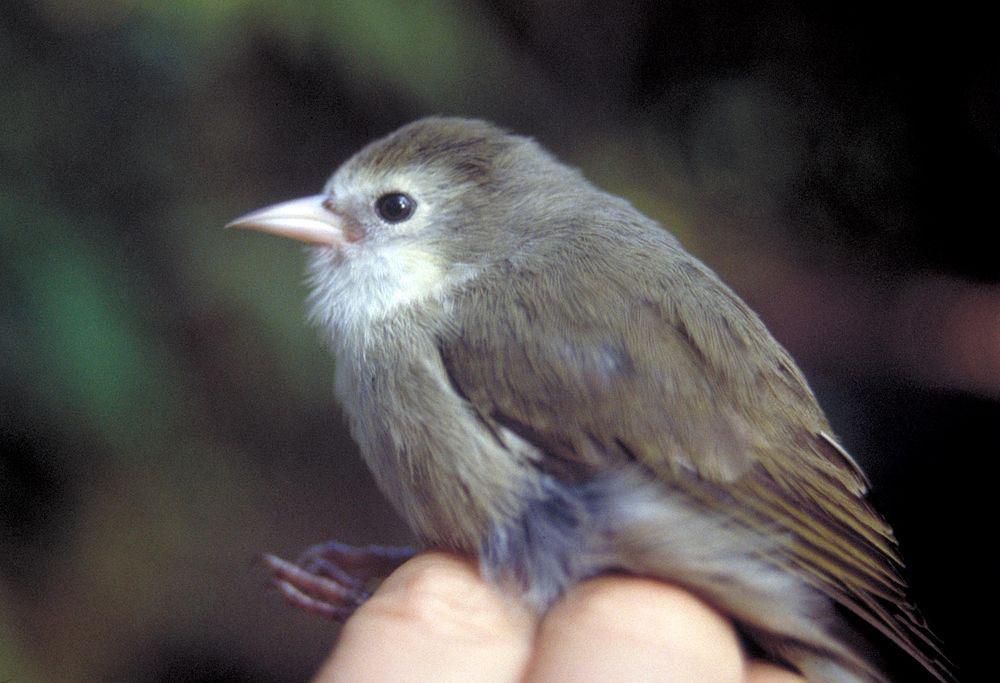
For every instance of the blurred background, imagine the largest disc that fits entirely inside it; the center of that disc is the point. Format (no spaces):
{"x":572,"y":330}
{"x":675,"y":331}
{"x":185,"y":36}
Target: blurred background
{"x":166,"y":413}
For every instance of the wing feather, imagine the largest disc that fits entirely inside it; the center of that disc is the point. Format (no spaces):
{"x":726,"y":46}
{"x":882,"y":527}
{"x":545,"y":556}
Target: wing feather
{"x":666,"y":367}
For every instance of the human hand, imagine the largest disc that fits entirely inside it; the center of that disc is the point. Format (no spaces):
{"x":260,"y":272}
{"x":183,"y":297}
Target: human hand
{"x":436,"y":619}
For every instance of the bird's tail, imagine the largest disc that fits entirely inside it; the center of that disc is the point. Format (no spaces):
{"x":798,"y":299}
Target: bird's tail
{"x":672,"y":538}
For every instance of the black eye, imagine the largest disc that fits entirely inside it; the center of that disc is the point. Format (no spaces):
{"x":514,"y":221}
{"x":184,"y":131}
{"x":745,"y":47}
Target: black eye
{"x":395,"y":207}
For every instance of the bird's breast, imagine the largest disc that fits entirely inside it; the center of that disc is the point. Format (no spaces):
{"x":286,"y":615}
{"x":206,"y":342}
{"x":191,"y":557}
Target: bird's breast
{"x":451,"y":478}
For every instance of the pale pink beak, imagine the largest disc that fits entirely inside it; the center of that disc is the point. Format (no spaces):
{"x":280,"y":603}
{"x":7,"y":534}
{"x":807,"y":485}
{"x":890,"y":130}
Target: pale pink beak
{"x":305,"y":219}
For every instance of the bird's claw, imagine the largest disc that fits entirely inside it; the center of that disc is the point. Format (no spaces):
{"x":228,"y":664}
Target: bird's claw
{"x":329,"y":579}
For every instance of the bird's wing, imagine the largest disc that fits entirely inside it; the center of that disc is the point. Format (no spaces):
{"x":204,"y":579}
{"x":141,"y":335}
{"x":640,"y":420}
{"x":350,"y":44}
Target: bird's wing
{"x":603,"y":359}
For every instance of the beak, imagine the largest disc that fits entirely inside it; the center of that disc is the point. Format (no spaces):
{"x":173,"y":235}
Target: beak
{"x":305,"y":219}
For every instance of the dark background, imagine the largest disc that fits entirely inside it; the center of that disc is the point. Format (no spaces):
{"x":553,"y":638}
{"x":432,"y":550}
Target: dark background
{"x":167,"y":413}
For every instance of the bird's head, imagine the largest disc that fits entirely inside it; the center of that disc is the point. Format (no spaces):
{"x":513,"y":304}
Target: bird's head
{"x":418,"y":212}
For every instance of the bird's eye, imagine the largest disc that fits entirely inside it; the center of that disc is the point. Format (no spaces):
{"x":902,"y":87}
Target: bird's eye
{"x":395,"y":207}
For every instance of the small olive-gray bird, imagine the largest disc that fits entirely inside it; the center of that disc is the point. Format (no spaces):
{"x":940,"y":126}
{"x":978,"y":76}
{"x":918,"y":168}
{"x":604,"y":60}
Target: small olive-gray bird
{"x":540,"y":376}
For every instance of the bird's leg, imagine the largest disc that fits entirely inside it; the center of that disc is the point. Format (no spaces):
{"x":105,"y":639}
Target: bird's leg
{"x":330,"y":579}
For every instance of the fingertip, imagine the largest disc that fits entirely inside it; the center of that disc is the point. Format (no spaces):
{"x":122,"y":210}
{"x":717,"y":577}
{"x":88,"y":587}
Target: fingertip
{"x":622,"y":627}
{"x":434,"y":618}
{"x":447,"y":594}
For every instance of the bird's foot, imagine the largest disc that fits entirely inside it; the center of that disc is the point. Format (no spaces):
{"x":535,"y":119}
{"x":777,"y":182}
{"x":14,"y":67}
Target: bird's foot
{"x":330,"y":579}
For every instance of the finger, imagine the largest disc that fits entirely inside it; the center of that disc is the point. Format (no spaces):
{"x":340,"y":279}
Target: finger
{"x":627,"y":628}
{"x":435,"y":619}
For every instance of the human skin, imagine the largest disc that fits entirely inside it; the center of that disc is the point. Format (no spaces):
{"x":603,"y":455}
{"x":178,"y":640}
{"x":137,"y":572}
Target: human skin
{"x":436,"y":619}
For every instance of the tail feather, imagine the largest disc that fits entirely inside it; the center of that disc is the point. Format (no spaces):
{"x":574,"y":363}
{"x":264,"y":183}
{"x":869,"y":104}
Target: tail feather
{"x":671,"y":539}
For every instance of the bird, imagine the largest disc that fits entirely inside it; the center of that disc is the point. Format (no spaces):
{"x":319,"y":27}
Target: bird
{"x":541,"y":377}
